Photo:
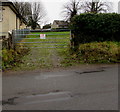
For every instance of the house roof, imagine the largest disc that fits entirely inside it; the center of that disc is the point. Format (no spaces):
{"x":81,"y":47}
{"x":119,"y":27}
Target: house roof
{"x":60,"y":22}
{"x":12,"y":6}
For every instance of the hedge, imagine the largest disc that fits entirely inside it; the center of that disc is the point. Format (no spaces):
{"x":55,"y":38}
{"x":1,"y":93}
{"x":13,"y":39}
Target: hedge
{"x":95,"y":27}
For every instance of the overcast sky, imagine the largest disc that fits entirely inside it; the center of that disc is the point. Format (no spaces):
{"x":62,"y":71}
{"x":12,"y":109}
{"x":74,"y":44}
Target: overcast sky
{"x":54,"y":8}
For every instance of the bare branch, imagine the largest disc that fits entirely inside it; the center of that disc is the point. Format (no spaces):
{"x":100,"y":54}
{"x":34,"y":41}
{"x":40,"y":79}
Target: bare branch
{"x":71,"y":9}
{"x":96,"y":7}
{"x":33,"y":13}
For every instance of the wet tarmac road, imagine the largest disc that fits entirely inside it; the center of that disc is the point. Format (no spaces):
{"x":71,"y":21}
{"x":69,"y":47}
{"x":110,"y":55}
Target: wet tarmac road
{"x":92,"y":87}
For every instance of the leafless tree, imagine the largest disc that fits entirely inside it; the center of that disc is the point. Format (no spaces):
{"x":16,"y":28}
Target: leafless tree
{"x":38,"y":13}
{"x":96,"y":7}
{"x":24,"y":9}
{"x":71,"y":9}
{"x":32,"y":12}
{"x":75,"y":7}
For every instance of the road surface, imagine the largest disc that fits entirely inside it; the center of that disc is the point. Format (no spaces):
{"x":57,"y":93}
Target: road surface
{"x":87,"y":87}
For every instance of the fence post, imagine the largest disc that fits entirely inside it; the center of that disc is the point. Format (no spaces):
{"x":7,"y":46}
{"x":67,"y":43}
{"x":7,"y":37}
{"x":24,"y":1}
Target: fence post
{"x":13,"y":39}
{"x":9,"y":41}
{"x":71,"y":39}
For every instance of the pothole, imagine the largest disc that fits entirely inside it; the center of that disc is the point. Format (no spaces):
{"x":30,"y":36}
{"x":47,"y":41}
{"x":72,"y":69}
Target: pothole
{"x":10,"y":101}
{"x":39,"y":98}
{"x":91,"y":71}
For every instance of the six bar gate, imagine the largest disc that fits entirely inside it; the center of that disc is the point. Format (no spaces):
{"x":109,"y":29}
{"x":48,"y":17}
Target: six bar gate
{"x":41,"y":39}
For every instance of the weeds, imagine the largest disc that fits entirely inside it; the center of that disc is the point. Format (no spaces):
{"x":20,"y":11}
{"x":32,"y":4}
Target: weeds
{"x":96,"y":52}
{"x":12,"y":57}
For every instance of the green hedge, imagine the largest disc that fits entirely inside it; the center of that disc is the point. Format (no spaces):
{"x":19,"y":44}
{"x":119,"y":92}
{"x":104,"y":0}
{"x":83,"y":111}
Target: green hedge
{"x":96,"y":27}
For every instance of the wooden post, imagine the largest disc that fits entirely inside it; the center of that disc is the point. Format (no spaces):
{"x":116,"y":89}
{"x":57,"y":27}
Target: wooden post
{"x":13,"y":39}
{"x":72,"y":39}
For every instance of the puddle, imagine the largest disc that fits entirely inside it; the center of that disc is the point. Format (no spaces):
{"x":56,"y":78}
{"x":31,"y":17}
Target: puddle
{"x":49,"y":76}
{"x":50,"y":100}
{"x":48,"y":94}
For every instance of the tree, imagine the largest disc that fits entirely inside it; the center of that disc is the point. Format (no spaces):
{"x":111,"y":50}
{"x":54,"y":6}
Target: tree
{"x":33,"y":13}
{"x":75,"y":7}
{"x":71,"y":9}
{"x":37,"y":15}
{"x":96,"y":7}
{"x":24,"y":9}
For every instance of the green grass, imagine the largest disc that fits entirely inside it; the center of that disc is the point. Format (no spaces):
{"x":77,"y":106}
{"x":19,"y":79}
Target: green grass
{"x":52,"y":39}
{"x":51,"y":33}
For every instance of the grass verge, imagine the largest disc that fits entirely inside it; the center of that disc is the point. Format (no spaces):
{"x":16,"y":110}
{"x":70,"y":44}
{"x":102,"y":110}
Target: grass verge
{"x":11,"y":58}
{"x":92,"y":53}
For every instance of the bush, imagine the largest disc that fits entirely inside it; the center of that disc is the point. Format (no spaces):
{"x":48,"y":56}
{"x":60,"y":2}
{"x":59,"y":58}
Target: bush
{"x":96,"y":27}
{"x":93,"y":53}
{"x":12,"y":57}
{"x":102,"y":52}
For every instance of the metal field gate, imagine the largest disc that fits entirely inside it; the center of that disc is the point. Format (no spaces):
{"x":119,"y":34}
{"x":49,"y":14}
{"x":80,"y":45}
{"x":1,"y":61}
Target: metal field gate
{"x":33,"y":39}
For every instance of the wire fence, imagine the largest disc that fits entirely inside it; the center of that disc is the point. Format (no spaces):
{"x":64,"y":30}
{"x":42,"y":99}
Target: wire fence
{"x":19,"y":34}
{"x":8,"y":42}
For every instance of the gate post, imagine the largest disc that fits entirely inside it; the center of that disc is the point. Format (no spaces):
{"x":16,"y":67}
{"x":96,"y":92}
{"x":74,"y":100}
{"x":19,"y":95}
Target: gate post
{"x":71,"y":39}
{"x":13,"y":39}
